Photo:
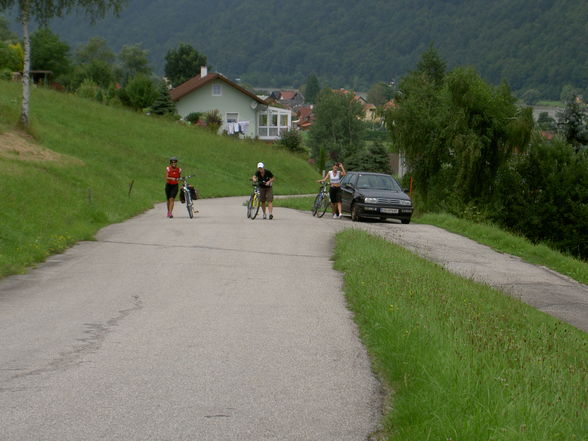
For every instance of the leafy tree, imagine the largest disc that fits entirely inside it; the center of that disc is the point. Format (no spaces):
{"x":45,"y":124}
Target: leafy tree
{"x":48,"y":52}
{"x":5,"y":33}
{"x":141,"y":92}
{"x":546,"y":122}
{"x":338,"y":127}
{"x":456,"y":134}
{"x":572,"y":122}
{"x":94,"y":62}
{"x":133,"y":61}
{"x":42,"y":11}
{"x":432,"y":66}
{"x":312,"y":89}
{"x":96,"y":49}
{"x":531,"y":96}
{"x":11,"y":56}
{"x":183,"y":63}
{"x":543,"y":195}
{"x":374,"y":158}
{"x":380,"y":93}
{"x":163,"y":104}
{"x":569,"y":92}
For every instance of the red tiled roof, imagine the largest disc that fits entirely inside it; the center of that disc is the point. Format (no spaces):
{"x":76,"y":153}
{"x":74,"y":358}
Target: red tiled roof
{"x":197,"y":82}
{"x":288,"y":94}
{"x":305,"y":113}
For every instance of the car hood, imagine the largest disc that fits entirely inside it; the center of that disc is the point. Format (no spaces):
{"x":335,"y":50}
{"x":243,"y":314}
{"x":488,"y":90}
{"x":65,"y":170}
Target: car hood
{"x":374,"y":193}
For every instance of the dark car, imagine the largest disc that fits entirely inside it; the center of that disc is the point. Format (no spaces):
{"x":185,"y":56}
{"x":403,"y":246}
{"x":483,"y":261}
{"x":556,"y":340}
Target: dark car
{"x":374,"y":195}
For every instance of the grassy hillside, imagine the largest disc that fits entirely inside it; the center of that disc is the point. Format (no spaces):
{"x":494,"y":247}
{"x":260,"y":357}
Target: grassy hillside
{"x":73,"y":175}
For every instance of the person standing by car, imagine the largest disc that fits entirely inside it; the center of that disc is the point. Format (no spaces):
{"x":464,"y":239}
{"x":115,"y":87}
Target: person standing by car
{"x":265,"y":178}
{"x":334,"y":177}
{"x":172,"y":175}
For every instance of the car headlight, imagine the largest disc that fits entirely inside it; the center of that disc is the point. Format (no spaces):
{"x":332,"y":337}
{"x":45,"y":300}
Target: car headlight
{"x":405,"y":202}
{"x":370,"y":200}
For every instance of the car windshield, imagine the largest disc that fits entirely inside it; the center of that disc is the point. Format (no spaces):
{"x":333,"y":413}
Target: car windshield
{"x":378,"y":182}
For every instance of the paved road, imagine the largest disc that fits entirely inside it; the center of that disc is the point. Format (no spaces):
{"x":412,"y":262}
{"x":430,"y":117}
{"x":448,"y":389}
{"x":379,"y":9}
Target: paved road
{"x":217,"y":328}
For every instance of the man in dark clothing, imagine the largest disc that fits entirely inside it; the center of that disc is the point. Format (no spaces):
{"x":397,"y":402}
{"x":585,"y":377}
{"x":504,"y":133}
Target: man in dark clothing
{"x":265,"y":178}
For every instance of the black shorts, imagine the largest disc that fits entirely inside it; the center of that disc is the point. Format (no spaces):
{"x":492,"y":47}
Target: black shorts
{"x":171,"y":190}
{"x":335,"y":194}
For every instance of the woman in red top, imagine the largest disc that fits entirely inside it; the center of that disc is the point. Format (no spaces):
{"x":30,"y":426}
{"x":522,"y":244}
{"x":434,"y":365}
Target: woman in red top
{"x":172,"y":173}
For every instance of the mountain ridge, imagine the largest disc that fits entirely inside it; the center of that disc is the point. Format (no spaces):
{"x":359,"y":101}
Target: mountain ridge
{"x":537,"y":44}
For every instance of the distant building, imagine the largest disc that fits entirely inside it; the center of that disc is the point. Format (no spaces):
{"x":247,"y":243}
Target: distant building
{"x":243,"y":112}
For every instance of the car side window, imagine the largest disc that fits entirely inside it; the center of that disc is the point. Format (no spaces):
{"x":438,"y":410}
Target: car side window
{"x":353,"y":180}
{"x":345,"y":179}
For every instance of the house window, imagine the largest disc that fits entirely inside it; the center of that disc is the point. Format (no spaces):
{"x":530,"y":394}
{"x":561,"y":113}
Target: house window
{"x":216,"y":90}
{"x":273,"y":122}
{"x":232,"y":117}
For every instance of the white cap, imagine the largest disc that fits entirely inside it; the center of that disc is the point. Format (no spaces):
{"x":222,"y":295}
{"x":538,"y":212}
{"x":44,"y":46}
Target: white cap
{"x":260,"y":165}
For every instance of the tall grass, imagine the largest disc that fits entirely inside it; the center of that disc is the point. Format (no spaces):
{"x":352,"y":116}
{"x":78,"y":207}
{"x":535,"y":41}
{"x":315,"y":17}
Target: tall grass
{"x":97,"y":152}
{"x":465,"y":362}
{"x":505,"y":242}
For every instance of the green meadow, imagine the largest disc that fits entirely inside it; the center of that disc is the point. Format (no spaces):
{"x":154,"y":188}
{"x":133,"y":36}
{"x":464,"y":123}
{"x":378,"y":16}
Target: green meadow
{"x":84,"y":165}
{"x":461,"y":361}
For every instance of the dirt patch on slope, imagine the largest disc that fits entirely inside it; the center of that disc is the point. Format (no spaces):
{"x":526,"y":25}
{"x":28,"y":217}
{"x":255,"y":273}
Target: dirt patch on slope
{"x":21,"y":146}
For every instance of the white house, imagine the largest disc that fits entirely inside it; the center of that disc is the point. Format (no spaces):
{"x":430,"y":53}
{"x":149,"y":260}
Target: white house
{"x":242,"y":112}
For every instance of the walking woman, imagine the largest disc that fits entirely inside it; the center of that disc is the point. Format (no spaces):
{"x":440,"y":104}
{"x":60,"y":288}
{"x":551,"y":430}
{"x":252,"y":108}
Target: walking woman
{"x":334,"y":177}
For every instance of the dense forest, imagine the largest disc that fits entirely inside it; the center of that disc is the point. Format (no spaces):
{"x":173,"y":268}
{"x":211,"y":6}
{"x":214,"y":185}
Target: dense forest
{"x":537,"y":46}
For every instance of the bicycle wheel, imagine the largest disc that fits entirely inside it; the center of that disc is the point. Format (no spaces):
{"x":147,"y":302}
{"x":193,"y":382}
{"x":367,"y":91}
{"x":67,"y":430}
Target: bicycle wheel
{"x":189,"y":204}
{"x":323,"y":207}
{"x":317,"y":203}
{"x":249,"y":205}
{"x":255,"y":204}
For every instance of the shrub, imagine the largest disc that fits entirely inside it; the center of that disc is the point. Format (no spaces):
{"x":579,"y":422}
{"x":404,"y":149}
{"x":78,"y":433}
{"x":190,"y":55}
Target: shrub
{"x":141,"y":92}
{"x":292,"y":140}
{"x":193,"y":117}
{"x":213,"y":119}
{"x":88,"y":89}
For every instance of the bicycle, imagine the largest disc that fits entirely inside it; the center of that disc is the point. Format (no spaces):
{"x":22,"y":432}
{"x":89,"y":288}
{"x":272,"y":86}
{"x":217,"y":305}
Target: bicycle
{"x":321,"y":202}
{"x":254,"y":202}
{"x":189,"y":194}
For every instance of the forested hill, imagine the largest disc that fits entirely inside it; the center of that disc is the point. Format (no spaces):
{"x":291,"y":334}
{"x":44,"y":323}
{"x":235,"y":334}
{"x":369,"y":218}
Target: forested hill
{"x":533,"y":44}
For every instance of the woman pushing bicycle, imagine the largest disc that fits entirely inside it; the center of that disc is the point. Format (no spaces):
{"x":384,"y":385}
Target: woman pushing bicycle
{"x":265,"y":179}
{"x":172,"y":175}
{"x":334,"y":177}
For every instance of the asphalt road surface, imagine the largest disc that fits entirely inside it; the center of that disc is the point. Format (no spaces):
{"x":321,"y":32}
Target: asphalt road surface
{"x":217,"y":328}
{"x":210,"y":329}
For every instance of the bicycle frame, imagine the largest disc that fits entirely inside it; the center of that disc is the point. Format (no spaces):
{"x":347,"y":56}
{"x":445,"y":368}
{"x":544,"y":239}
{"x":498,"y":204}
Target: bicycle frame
{"x":254,"y":203}
{"x":321,"y":202}
{"x":185,"y":188}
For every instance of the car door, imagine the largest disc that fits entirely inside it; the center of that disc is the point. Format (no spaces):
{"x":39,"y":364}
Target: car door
{"x":347,"y":191}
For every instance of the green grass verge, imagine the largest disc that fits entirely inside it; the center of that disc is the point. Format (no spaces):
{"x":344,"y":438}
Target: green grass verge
{"x":504,"y":242}
{"x":465,"y":362}
{"x":303,"y":203}
{"x":88,"y":154}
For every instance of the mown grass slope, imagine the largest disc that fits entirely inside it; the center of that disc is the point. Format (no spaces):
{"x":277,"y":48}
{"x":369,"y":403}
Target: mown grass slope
{"x":73,"y":175}
{"x":465,"y":362}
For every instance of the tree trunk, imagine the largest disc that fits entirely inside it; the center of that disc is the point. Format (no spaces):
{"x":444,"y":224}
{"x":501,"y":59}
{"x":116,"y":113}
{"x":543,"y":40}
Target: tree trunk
{"x":24,"y":116}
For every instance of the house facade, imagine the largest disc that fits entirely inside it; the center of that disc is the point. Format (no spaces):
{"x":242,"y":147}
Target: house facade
{"x":242,"y":112}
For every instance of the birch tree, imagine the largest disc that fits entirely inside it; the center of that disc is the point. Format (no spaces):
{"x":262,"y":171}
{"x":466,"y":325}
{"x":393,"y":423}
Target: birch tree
{"x":42,"y":11}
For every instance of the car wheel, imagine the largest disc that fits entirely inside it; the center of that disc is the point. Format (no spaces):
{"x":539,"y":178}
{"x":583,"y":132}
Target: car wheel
{"x":405,"y":221}
{"x":354,"y":213}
